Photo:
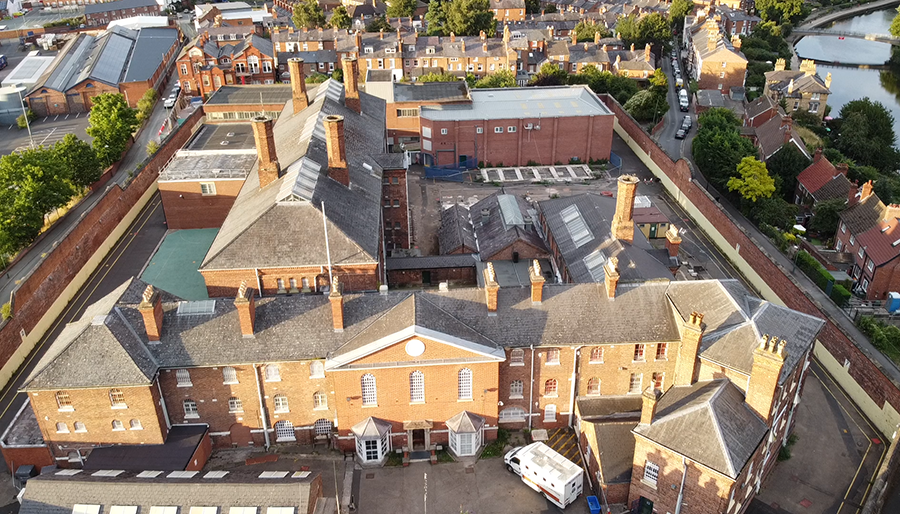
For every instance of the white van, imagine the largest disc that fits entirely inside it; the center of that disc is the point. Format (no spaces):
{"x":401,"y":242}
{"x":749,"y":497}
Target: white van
{"x":560,"y":480}
{"x":683,"y":100}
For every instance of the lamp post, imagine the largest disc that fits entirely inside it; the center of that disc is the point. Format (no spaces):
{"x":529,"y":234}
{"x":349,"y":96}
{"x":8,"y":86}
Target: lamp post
{"x":25,"y":115}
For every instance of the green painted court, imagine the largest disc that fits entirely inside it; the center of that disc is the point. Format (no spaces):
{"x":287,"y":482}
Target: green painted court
{"x":174,"y":266}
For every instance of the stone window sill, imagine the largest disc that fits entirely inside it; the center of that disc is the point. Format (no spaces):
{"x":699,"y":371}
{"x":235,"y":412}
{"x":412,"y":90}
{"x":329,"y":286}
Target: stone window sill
{"x":516,"y":364}
{"x":191,"y":416}
{"x":185,"y":385}
{"x":516,"y":397}
{"x":321,"y":408}
{"x":649,"y":484}
{"x":119,"y":407}
{"x":230,"y":383}
{"x":67,"y":409}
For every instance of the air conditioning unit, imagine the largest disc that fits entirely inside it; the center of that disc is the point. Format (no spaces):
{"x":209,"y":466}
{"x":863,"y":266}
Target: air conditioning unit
{"x":528,"y":126}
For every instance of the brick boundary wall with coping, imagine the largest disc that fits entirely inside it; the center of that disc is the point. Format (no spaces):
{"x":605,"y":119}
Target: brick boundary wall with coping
{"x":48,"y":281}
{"x":777,"y":286}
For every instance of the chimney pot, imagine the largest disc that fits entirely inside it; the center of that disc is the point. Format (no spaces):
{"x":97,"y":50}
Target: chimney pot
{"x":337,"y":153}
{"x":265,"y":148}
{"x":673,"y":240}
{"x":245,"y":304}
{"x":691,"y":337}
{"x":842,"y":168}
{"x":650,"y":397}
{"x":537,"y":282}
{"x":337,"y":305}
{"x":152,"y":312}
{"x":623,"y":221}
{"x":298,"y":84}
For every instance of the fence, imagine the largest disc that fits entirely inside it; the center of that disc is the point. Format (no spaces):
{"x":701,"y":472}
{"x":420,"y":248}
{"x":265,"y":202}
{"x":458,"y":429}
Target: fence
{"x":42,"y":294}
{"x":451,"y":172}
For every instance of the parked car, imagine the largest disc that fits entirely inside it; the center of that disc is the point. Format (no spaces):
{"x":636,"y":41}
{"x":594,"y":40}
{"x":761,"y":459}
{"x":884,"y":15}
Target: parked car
{"x":681,"y":133}
{"x":687,"y":123}
{"x":683,"y":102}
{"x":170,"y":101}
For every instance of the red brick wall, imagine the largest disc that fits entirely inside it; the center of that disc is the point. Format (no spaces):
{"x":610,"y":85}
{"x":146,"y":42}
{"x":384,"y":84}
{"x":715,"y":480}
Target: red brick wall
{"x":558,"y":140}
{"x":37,"y":292}
{"x":225,"y":283}
{"x":201,"y":454}
{"x":455,"y":276}
{"x":863,"y":370}
{"x":187,"y":208}
{"x":390,"y":191}
{"x":37,"y":456}
{"x":92,"y":407}
{"x":710,"y":75}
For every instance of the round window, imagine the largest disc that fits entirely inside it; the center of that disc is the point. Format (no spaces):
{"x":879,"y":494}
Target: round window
{"x":415,"y":348}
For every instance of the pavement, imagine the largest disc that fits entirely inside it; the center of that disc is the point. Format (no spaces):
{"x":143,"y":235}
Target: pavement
{"x":125,"y":260}
{"x":451,"y":488}
{"x":835,"y":457}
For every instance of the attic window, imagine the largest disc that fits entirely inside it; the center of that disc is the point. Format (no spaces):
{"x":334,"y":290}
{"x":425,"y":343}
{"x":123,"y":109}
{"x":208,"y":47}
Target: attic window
{"x":368,"y":50}
{"x":201,"y":307}
{"x":885,"y":229}
{"x":85,"y":509}
{"x":895,"y":243}
{"x":182,"y":474}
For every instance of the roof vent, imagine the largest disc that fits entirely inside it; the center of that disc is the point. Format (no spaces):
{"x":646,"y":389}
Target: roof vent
{"x":230,"y":134}
{"x":224,"y":143}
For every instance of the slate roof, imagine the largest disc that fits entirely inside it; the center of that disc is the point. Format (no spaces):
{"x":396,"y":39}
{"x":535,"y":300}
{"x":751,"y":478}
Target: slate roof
{"x":607,"y":408}
{"x":281,"y":224}
{"x":174,"y":455}
{"x":431,"y":92}
{"x":637,"y":261}
{"x":571,"y":314}
{"x":456,"y":230}
{"x":759,"y":106}
{"x":507,"y":4}
{"x":371,"y":427}
{"x":864,"y":215}
{"x":465,"y":423}
{"x":803,"y":83}
{"x":770,"y":137}
{"x":115,"y":6}
{"x":252,"y":94}
{"x":457,"y":260}
{"x":506,"y":224}
{"x":149,"y":47}
{"x":58,"y":494}
{"x":880,"y":241}
{"x":615,"y":447}
{"x":707,"y":422}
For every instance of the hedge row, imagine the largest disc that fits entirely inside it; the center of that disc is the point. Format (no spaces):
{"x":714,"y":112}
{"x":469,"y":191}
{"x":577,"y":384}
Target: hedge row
{"x":885,"y":337}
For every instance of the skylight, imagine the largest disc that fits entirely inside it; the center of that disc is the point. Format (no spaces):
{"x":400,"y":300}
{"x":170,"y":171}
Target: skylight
{"x":68,"y":472}
{"x":181,"y":474}
{"x":85,"y":509}
{"x":196,"y":308}
{"x":108,"y":473}
{"x":594,"y":262}
{"x":149,"y":474}
{"x":578,"y":230}
{"x":215,"y":474}
{"x":273,"y":474}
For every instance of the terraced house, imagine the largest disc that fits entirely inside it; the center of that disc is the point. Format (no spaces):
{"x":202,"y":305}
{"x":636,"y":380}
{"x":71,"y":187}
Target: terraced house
{"x":206,"y":65}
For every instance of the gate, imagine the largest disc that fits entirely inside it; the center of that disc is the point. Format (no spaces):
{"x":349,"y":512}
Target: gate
{"x":451,"y":172}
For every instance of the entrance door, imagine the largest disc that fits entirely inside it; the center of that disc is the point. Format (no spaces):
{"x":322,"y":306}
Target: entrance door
{"x":463,"y":159}
{"x":418,"y":439}
{"x":653,"y":227}
{"x":426,"y":277}
{"x":645,"y":506}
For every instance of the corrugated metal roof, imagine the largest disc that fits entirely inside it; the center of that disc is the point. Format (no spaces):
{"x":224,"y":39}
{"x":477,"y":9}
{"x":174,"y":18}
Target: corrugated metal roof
{"x":151,"y":45}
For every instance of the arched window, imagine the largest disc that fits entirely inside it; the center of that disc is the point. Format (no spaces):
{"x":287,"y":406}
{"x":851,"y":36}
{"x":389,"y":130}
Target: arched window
{"x":516,"y":389}
{"x":229,"y":375}
{"x":273,"y":374}
{"x":369,"y":393}
{"x":281,"y":403}
{"x":284,"y":431}
{"x":323,"y":426}
{"x":550,"y":387}
{"x":117,"y":399}
{"x":596,"y":355}
{"x":80,"y":427}
{"x":63,"y":401}
{"x":550,"y":412}
{"x":117,"y":425}
{"x":316,"y":369}
{"x":517,"y":357}
{"x":320,"y":400}
{"x":416,"y":387}
{"x":62,"y":428}
{"x":183,"y":377}
{"x":135,"y":424}
{"x":464,"y":379}
{"x":593,"y":386}
{"x":190,"y":409}
{"x":512,"y":414}
{"x":235,"y":405}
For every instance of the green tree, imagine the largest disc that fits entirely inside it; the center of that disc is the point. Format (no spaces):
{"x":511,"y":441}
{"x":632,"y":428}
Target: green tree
{"x":786,"y":164}
{"x":647,"y":106}
{"x":774,"y":211}
{"x":895,"y":24}
{"x":719,"y":147}
{"x":145,"y":104}
{"x":659,"y":82}
{"x":866,"y":134}
{"x":550,"y":75}
{"x":469,"y":17}
{"x":678,"y":10}
{"x":719,"y":118}
{"x":340,"y":18}
{"x":621,"y":88}
{"x":401,"y":8}
{"x":532,"y":6}
{"x":438,"y":77}
{"x":826,"y":216}
{"x":502,"y":78}
{"x":80,"y":159}
{"x":112,"y":123}
{"x":378,"y":24}
{"x":627,"y":28}
{"x":754,"y":181}
{"x":655,"y":29}
{"x":435,"y":18}
{"x":779,"y":10}
{"x":308,"y":13}
{"x":585,"y":31}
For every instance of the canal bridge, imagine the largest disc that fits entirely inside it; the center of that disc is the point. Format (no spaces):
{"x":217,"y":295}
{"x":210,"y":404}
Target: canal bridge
{"x":881,"y":38}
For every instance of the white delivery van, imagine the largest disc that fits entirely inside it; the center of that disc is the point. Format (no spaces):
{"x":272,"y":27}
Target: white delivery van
{"x":547,"y":472}
{"x":683,"y":100}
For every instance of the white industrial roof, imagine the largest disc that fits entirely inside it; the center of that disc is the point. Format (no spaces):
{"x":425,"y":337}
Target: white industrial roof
{"x":521,"y":102}
{"x":28,"y":71}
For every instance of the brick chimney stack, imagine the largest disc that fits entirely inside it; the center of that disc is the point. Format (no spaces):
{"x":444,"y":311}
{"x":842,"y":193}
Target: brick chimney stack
{"x":537,"y":282}
{"x":337,"y":305}
{"x":491,"y":289}
{"x":611,"y":278}
{"x":691,"y":337}
{"x":623,"y":221}
{"x":337,"y":153}
{"x":646,"y":52}
{"x":787,"y":124}
{"x":265,"y":149}
{"x":673,"y":240}
{"x":818,"y":155}
{"x":298,"y":84}
{"x":597,"y":37}
{"x":866,"y":191}
{"x":351,"y":83}
{"x":245,"y":304}
{"x":852,"y":199}
{"x":650,"y":398}
{"x":152,"y":312}
{"x":768,"y":359}
{"x":842,"y":168}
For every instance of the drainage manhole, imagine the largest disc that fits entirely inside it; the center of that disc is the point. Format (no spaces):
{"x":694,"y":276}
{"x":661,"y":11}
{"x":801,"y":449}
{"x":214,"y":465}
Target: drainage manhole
{"x":470,"y":469}
{"x":370,"y":475}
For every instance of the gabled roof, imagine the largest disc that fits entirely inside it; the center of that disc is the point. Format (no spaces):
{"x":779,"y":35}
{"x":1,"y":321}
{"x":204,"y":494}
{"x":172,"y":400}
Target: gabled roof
{"x":465,"y":423}
{"x":759,"y":106}
{"x":817,"y":174}
{"x":803,"y":83}
{"x":882,"y":241}
{"x":581,"y":228}
{"x":507,"y":222}
{"x":707,"y":422}
{"x":100,"y":349}
{"x":371,"y":427}
{"x":772,"y":135}
{"x":456,"y":230}
{"x":281,"y":224}
{"x":864,"y":215}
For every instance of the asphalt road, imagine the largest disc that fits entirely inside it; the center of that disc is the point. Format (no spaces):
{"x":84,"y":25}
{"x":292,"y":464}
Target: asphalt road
{"x":125,"y":260}
{"x":665,"y":138}
{"x":44,"y":131}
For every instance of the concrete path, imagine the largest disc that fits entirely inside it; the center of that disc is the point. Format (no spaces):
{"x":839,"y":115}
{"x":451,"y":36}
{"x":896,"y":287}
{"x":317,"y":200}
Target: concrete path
{"x":845,"y":13}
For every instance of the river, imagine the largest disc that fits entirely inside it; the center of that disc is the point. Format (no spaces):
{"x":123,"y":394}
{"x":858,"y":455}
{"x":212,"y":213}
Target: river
{"x":853,"y":83}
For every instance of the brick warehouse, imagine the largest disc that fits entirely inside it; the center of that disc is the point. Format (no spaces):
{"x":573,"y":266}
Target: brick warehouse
{"x":374,"y":371}
{"x":517,"y":126}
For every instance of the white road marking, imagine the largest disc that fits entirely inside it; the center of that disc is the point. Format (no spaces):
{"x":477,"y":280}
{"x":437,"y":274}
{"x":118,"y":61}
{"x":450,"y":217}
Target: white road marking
{"x":48,"y":135}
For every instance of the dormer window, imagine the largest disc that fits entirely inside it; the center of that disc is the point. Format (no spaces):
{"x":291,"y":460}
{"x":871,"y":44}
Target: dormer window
{"x":429,"y":50}
{"x":390,"y":50}
{"x":368,"y":50}
{"x":411,"y":48}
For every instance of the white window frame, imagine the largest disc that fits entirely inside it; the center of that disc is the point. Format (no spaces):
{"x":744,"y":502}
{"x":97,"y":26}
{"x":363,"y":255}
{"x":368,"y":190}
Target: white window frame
{"x":651,"y":474}
{"x":235,"y":405}
{"x":498,"y":130}
{"x":640,"y":353}
{"x":550,"y":413}
{"x":596,"y":356}
{"x":62,"y":428}
{"x":640,"y":382}
{"x":118,"y":426}
{"x":594,"y":391}
{"x":229,"y":375}
{"x":273,"y":372}
{"x":479,"y":130}
{"x":79,"y":430}
{"x":512,"y":415}
{"x":316,"y":368}
{"x":369,"y":389}
{"x":516,"y":389}
{"x":320,"y":400}
{"x":282,"y":405}
{"x":117,"y":399}
{"x":135,"y":424}
{"x":208,"y":188}
{"x":464,"y":384}
{"x":443,"y":132}
{"x":551,"y":388}
{"x":511,"y":129}
{"x":870,"y":265}
{"x":191,"y":411}
{"x":662,"y":351}
{"x":552,"y":357}
{"x":183,"y":378}
{"x":416,"y":387}
{"x":64,"y":401}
